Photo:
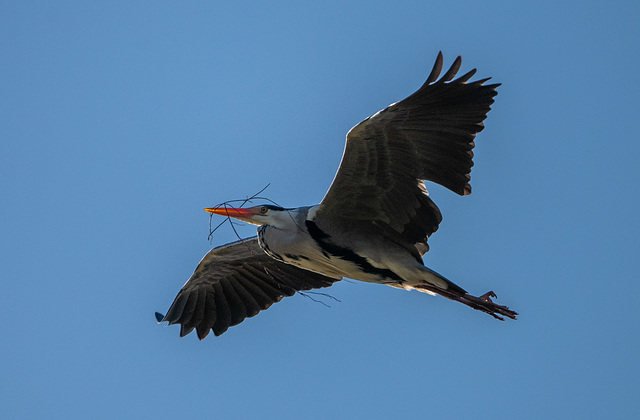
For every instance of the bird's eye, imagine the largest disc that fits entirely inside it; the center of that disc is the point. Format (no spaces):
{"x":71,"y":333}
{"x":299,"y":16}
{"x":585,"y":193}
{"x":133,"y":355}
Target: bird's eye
{"x":263,"y":210}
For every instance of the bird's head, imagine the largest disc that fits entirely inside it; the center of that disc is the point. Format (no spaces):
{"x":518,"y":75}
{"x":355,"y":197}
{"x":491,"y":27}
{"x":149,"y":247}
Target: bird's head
{"x":257,"y":215}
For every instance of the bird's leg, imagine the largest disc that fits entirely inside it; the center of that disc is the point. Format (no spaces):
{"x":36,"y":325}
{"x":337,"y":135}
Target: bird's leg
{"x":432,"y":282}
{"x":485,"y":304}
{"x":482,"y":303}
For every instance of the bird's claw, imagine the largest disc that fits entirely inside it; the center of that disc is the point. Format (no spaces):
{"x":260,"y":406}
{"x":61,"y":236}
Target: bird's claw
{"x":487,"y":296}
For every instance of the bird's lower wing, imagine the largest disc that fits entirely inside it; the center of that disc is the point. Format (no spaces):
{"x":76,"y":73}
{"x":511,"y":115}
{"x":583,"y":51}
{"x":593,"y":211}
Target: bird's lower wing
{"x":234,"y":282}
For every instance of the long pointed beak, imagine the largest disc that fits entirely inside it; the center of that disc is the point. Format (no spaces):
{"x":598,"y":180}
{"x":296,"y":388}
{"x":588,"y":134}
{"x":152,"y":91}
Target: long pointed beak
{"x":238,"y":213}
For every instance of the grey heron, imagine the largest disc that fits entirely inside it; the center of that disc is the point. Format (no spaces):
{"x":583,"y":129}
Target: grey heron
{"x":373,"y":223}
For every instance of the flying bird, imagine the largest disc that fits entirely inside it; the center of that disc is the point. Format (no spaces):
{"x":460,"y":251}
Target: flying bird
{"x":372,"y":225}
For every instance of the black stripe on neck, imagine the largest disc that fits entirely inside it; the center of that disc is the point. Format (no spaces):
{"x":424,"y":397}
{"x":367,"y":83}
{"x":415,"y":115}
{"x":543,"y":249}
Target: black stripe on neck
{"x":344,"y":253}
{"x":265,"y":247}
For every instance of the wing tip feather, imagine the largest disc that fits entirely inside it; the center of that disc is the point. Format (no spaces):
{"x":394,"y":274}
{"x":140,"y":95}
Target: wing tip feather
{"x":437,"y":69}
{"x":453,"y":70}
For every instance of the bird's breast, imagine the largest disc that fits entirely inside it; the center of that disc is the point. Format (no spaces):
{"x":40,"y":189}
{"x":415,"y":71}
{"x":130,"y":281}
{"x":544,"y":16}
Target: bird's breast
{"x":296,"y":248}
{"x":314,"y":250}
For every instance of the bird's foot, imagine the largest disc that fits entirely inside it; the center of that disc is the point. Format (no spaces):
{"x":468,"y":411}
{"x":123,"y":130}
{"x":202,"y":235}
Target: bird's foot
{"x":485,"y":304}
{"x":487,"y":296}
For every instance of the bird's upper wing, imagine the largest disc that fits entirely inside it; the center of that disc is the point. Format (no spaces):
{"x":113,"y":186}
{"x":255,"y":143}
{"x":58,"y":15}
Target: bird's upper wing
{"x":387,"y":157}
{"x":234,"y":282}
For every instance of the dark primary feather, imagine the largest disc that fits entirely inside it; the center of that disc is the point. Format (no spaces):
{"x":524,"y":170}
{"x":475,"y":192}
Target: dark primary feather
{"x":388,"y":156}
{"x":234,"y":282}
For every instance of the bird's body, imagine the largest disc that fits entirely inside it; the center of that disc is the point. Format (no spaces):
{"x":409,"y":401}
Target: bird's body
{"x":372,"y":225}
{"x":302,"y":240}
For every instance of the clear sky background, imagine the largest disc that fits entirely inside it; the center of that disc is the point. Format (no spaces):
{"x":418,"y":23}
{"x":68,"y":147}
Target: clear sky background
{"x":120,"y":121}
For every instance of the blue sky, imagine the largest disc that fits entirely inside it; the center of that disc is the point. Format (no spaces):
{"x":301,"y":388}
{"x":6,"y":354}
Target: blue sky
{"x":122,"y":120}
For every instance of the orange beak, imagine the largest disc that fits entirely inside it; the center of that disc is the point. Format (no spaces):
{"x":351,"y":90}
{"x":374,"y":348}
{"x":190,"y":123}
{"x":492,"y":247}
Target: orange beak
{"x":242,"y":214}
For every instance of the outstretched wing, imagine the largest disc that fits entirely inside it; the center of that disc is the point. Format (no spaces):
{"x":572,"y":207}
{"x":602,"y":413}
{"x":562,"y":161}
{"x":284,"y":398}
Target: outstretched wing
{"x":234,"y":282}
{"x":388,"y":156}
